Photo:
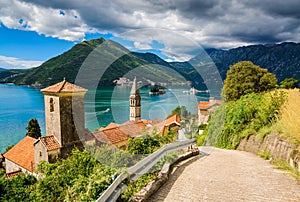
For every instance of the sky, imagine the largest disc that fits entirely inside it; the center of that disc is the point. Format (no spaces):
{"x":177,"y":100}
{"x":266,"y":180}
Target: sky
{"x":33,"y":31}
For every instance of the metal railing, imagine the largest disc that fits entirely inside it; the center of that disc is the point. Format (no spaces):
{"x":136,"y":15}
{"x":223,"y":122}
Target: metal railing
{"x":118,"y":186}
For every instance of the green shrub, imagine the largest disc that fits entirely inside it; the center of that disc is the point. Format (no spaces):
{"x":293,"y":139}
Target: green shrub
{"x":235,"y":120}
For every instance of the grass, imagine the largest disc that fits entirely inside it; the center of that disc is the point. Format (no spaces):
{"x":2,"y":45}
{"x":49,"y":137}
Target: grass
{"x":289,"y":120}
{"x":265,"y":154}
{"x":283,"y":165}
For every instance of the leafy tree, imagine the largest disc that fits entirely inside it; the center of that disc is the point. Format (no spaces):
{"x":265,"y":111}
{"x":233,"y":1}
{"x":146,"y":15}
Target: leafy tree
{"x":180,"y":111}
{"x":244,"y":78}
{"x":289,"y":83}
{"x":33,"y":129}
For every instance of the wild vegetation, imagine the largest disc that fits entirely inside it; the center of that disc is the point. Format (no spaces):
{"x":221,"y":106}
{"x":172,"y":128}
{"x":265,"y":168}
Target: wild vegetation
{"x":147,"y":143}
{"x":235,"y":120}
{"x":79,"y":178}
{"x":85,"y":175}
{"x":250,"y":107}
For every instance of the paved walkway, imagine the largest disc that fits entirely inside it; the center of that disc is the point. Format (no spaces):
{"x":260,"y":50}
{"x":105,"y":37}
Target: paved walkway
{"x":228,"y":175}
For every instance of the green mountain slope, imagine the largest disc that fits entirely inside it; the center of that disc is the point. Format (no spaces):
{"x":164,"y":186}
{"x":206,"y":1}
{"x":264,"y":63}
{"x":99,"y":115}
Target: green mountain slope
{"x":55,"y":69}
{"x":98,"y":55}
{"x":116,"y":61}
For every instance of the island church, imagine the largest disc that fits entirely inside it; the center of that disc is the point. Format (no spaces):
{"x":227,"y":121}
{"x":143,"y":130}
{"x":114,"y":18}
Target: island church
{"x":65,"y":129}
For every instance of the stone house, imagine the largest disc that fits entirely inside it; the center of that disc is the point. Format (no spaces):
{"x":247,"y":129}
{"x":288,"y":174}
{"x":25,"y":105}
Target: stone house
{"x":21,"y":157}
{"x":206,"y":108}
{"x":118,"y":134}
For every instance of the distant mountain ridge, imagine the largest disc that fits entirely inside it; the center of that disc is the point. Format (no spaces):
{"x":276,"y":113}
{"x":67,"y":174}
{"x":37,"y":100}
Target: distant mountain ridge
{"x":281,"y":59}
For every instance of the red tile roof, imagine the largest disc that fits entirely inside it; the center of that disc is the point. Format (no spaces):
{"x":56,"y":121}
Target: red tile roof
{"x":22,"y":153}
{"x":64,"y":87}
{"x":173,"y":119}
{"x":50,"y":142}
{"x":114,"y":133}
{"x":206,"y":105}
{"x":111,"y":135}
{"x":111,"y":125}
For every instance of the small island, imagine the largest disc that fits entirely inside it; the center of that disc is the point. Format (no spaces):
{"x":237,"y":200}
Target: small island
{"x":157,"y":90}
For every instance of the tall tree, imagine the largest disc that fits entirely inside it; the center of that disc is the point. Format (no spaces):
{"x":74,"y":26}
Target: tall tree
{"x":33,"y":129}
{"x":244,"y":78}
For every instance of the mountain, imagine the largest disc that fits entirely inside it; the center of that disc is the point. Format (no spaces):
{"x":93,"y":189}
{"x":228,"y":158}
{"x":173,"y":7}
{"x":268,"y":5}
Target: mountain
{"x":1,"y":69}
{"x":281,"y":59}
{"x":101,"y":61}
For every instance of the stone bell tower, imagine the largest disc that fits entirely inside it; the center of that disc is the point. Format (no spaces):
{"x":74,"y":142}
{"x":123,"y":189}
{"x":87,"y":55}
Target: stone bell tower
{"x":135,"y":102}
{"x":64,"y":113}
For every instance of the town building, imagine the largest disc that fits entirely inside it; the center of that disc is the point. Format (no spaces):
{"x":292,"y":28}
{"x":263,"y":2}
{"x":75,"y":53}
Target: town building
{"x":118,"y":134}
{"x":206,"y":108}
{"x":64,"y":115}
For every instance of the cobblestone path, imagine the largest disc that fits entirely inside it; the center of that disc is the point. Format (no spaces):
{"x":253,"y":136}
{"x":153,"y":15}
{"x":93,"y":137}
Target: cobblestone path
{"x":228,"y":175}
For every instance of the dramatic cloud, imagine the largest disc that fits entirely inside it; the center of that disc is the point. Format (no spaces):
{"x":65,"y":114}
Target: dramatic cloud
{"x":215,"y":23}
{"x":16,"y":63}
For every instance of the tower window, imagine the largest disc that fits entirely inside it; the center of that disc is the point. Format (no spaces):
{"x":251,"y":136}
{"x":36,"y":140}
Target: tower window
{"x":51,"y":102}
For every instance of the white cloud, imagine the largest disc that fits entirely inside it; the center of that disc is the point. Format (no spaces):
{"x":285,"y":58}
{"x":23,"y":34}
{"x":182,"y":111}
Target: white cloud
{"x":215,"y":23}
{"x":48,"y":21}
{"x":16,"y":63}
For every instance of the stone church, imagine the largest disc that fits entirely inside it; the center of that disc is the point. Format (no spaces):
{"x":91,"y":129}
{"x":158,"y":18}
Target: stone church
{"x":65,"y":128}
{"x":64,"y":114}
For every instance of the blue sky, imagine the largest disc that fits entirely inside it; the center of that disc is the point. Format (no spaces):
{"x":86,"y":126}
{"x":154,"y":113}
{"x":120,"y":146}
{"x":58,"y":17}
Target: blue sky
{"x":33,"y":31}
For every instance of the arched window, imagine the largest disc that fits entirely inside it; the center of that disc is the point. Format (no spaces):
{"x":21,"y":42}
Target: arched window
{"x":51,"y":102}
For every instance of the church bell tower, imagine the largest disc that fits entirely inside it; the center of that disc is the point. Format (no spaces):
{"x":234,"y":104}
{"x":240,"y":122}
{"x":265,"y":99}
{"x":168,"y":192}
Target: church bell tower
{"x":135,"y":102}
{"x":64,"y":113}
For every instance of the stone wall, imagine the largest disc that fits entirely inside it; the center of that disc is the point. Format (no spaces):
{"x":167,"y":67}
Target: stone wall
{"x":40,"y":153}
{"x":274,"y":144}
{"x":162,"y":178}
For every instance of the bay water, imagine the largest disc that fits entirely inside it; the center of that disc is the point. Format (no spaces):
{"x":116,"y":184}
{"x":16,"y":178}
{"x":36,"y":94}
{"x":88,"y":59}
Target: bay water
{"x":18,"y":104}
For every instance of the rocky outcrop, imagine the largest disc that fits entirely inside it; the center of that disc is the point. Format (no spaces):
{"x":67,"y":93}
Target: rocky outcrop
{"x":277,"y":146}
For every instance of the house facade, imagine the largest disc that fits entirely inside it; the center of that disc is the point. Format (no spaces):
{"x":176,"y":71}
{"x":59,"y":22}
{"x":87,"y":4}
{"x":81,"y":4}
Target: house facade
{"x":206,"y":108}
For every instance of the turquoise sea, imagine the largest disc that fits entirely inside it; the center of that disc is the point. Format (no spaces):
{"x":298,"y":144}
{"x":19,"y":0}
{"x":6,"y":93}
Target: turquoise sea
{"x":18,"y":104}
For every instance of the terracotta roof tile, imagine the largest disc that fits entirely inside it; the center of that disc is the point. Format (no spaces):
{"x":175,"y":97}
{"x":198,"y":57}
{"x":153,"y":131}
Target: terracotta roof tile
{"x":65,"y":87}
{"x":50,"y":142}
{"x":111,"y":135}
{"x":115,"y":133}
{"x":111,"y":125}
{"x":206,"y":105}
{"x":133,"y":128}
{"x":173,"y":119}
{"x":22,"y":153}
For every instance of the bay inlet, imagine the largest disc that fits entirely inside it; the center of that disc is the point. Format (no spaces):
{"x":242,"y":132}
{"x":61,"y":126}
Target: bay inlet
{"x":18,"y":104}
